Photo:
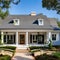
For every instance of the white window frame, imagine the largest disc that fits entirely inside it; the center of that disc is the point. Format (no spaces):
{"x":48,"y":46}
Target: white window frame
{"x":40,"y":22}
{"x":16,"y":23}
{"x":34,"y":38}
{"x":56,"y":37}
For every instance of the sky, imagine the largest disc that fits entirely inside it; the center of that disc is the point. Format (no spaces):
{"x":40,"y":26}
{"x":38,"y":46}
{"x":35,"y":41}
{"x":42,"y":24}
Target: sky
{"x":28,"y":6}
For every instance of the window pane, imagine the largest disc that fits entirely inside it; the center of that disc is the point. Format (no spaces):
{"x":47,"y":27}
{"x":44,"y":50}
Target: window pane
{"x":30,"y":38}
{"x":4,"y":38}
{"x":34,"y":39}
{"x":14,"y":38}
{"x":53,"y":36}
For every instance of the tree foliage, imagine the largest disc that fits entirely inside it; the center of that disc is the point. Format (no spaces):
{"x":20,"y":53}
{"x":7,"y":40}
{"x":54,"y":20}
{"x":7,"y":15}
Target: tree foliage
{"x":52,"y":5}
{"x":5,"y":5}
{"x":58,"y":22}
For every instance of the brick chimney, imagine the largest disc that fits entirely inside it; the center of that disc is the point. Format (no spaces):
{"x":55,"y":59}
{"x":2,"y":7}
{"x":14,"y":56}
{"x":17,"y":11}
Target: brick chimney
{"x":33,"y":14}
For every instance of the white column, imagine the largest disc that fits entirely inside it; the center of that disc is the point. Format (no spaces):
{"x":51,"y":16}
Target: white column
{"x":48,"y":36}
{"x":26,"y":38}
{"x":2,"y":37}
{"x":16,"y":38}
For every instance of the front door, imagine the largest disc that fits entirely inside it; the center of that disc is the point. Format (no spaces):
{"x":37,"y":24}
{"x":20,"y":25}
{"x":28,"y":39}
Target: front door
{"x":40,"y":39}
{"x":22,"y":39}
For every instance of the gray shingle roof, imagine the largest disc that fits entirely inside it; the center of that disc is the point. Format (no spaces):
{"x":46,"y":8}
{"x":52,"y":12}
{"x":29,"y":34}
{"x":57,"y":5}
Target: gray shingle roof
{"x":26,"y":22}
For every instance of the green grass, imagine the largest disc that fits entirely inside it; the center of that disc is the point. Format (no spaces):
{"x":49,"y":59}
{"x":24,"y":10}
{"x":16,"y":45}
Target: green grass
{"x":5,"y":57}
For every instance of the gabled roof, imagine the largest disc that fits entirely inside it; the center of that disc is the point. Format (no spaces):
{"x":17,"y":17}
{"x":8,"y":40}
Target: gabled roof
{"x":27,"y":22}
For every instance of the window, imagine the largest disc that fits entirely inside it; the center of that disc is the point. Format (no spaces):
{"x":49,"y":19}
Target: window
{"x":53,"y":37}
{"x":9,"y":38}
{"x":40,"y":22}
{"x":16,"y":21}
{"x":38,"y":39}
{"x":33,"y":38}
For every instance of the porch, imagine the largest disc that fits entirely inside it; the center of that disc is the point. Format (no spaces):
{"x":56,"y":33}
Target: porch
{"x":25,"y":38}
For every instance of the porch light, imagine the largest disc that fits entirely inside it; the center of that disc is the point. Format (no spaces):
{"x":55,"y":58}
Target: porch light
{"x":6,"y":32}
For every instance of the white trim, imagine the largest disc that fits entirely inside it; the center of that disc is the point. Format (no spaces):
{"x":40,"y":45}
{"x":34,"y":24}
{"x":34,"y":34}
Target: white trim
{"x":26,"y":30}
{"x":57,"y":36}
{"x":16,"y":23}
{"x":40,"y":22}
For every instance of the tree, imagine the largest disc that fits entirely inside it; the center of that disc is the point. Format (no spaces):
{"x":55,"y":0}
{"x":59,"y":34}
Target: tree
{"x":58,"y":22}
{"x":51,"y":5}
{"x":5,"y":5}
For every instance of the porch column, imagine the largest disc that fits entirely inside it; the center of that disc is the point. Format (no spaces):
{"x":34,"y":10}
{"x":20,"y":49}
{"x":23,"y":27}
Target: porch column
{"x":16,"y":38}
{"x":48,"y":36}
{"x":26,"y":38}
{"x":2,"y":37}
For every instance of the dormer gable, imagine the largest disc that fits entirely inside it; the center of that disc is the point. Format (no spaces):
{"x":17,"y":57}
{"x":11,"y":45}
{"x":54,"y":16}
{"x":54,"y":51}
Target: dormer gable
{"x":16,"y":21}
{"x":40,"y":22}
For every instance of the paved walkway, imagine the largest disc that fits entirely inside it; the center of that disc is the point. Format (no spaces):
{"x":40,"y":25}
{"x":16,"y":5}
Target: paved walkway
{"x":22,"y":56}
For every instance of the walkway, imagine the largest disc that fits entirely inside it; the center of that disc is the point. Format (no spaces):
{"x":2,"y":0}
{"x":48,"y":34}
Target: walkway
{"x":22,"y":55}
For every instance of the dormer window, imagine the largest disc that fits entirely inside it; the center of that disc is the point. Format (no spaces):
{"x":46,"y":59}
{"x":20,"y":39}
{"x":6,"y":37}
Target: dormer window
{"x":16,"y":21}
{"x":40,"y":22}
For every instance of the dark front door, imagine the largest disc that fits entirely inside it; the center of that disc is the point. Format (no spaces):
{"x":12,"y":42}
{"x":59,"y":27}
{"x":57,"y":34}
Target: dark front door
{"x":40,"y":39}
{"x":22,"y":39}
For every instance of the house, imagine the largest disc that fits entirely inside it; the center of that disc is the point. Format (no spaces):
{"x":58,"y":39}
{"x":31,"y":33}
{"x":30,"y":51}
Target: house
{"x":23,"y":31}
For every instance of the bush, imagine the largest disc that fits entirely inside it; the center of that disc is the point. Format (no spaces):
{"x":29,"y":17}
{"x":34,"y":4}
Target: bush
{"x":50,"y":44}
{"x":46,"y":57}
{"x":34,"y":47}
{"x":8,"y":47}
{"x":57,"y":54}
{"x":37,"y":47}
{"x":5,"y":57}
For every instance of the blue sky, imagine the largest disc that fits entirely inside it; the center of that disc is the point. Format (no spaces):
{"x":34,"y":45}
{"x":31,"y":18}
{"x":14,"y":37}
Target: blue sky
{"x":28,"y":6}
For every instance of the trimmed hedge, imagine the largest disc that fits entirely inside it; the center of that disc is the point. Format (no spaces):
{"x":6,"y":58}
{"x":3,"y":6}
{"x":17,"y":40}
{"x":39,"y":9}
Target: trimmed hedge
{"x":37,"y":47}
{"x":8,"y":47}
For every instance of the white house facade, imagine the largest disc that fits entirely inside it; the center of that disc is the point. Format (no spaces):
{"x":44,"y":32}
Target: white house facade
{"x":23,"y":31}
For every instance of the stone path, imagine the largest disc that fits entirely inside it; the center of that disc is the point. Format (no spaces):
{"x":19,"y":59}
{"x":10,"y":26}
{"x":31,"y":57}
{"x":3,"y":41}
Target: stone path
{"x":22,"y":55}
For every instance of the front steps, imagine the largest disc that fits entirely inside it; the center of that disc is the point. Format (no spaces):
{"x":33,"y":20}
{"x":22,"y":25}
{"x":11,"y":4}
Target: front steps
{"x":22,"y":50}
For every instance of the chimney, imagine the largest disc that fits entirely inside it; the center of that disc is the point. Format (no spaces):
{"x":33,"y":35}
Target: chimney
{"x":33,"y":14}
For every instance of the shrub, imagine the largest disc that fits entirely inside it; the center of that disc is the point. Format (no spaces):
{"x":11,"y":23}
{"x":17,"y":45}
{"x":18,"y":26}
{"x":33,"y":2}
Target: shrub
{"x":8,"y":47}
{"x":50,"y":44}
{"x":57,"y":54}
{"x":1,"y":42}
{"x":46,"y":57}
{"x":34,"y":47}
{"x":5,"y":57}
{"x":37,"y":47}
